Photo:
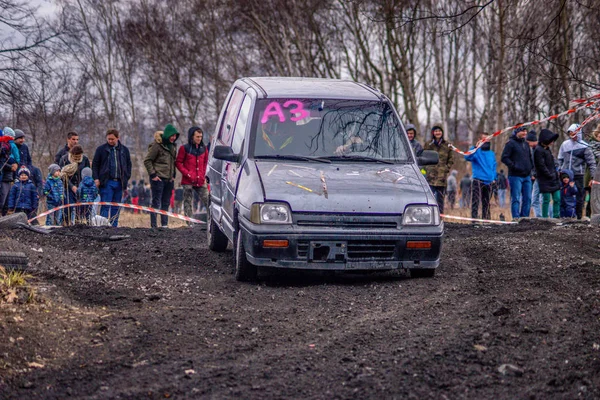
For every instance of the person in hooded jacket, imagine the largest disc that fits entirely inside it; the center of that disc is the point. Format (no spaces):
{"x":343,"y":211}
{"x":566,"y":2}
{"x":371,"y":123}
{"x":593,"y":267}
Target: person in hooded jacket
{"x":87,"y":193}
{"x":517,"y":156}
{"x":452,"y":188}
{"x":160,"y":164}
{"x":576,"y":155}
{"x":568,"y":194}
{"x":437,"y":175}
{"x":23,"y":195}
{"x":191,"y":161}
{"x":547,"y":176}
{"x":484,"y":174}
{"x":411,"y":132}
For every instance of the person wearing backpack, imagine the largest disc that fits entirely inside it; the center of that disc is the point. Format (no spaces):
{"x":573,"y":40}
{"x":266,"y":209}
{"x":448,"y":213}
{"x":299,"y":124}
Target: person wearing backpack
{"x":191,"y":161}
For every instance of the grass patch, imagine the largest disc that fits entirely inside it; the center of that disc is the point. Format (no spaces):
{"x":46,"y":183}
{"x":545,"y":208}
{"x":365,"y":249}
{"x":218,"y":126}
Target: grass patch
{"x":14,"y":287}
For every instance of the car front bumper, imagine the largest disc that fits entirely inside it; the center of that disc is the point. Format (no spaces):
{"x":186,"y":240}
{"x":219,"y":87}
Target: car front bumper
{"x":342,"y":249}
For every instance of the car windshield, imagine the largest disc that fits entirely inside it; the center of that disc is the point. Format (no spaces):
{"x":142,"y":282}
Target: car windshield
{"x":339,"y":130}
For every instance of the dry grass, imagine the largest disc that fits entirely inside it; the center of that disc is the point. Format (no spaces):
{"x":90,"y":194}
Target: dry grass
{"x":131,"y":220}
{"x":14,"y":286}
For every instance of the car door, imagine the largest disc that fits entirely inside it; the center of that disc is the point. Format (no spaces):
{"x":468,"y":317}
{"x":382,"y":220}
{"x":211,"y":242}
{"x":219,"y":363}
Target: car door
{"x":232,"y":169}
{"x":223,"y":137}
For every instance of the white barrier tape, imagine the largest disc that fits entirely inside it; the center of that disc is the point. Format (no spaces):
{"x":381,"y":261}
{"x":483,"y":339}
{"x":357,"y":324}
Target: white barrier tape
{"x":489,"y":221}
{"x":132,"y":206}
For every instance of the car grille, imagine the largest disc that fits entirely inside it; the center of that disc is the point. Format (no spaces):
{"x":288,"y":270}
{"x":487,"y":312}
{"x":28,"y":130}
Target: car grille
{"x":351,"y":224}
{"x":348,"y":221}
{"x":371,"y":250}
{"x":359,"y":250}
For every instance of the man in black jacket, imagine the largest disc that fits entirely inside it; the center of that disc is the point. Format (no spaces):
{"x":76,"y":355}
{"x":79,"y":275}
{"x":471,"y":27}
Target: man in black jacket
{"x":111,"y":170}
{"x":518,"y":158}
{"x":72,"y":140}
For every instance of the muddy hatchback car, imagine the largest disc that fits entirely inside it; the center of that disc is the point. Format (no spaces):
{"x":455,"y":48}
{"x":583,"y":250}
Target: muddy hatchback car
{"x":318,"y":174}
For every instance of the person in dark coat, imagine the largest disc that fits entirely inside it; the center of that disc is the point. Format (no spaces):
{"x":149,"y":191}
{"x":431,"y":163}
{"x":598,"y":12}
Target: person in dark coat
{"x":411,"y":132}
{"x":111,"y":170}
{"x":72,"y":140}
{"x":23,"y":195}
{"x":547,"y":176}
{"x":71,"y":165}
{"x":23,"y":149}
{"x":87,"y":193}
{"x":519,"y":160}
{"x":568,"y":194}
{"x":191,"y":161}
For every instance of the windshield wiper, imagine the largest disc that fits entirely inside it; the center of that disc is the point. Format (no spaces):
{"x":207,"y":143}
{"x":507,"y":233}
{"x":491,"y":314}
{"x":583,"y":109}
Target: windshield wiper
{"x":292,"y":157}
{"x":357,"y":158}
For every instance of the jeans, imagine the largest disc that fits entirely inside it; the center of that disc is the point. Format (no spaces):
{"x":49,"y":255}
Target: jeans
{"x":520,"y":196}
{"x":188,"y":197}
{"x":502,"y":197}
{"x":161,"y":198}
{"x":113,"y":192}
{"x":580,"y":196}
{"x":55,"y":218}
{"x":535,"y":202}
{"x":555,"y":204}
{"x":480,"y":192}
{"x":439,"y":193}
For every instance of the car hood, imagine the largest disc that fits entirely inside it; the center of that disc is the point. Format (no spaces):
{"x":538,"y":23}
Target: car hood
{"x":343,"y":187}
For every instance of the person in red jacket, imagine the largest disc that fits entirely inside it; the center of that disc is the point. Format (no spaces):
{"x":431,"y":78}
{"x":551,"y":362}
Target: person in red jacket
{"x":191,"y":161}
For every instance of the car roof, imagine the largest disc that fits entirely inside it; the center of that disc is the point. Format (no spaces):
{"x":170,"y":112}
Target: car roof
{"x":288,"y":87}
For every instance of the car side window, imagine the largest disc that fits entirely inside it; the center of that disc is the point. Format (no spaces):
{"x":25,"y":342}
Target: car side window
{"x":231,"y":114}
{"x":240,"y":125}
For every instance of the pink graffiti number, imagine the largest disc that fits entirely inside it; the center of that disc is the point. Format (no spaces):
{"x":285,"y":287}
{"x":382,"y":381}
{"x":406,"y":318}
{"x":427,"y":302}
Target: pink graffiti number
{"x":275,"y":109}
{"x":298,"y":110}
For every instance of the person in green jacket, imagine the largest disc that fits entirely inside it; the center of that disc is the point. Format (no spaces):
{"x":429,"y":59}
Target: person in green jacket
{"x":160,"y":164}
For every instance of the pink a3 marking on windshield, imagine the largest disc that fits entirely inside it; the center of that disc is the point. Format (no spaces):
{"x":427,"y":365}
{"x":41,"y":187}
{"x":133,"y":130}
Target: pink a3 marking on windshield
{"x":274,"y":109}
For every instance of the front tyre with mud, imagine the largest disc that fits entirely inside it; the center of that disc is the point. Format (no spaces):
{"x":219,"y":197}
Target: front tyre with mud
{"x":245,"y":271}
{"x":422,"y":273}
{"x":217,"y":241}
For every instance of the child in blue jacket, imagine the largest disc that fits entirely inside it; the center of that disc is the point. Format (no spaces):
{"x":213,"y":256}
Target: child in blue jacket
{"x":568,"y":194}
{"x":484,"y":174}
{"x":23,"y":196}
{"x":54,"y":191}
{"x":86,"y":193}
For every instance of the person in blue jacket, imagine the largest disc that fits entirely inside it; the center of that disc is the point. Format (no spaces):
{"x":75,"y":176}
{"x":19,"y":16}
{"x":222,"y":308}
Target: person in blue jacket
{"x":14,"y":150}
{"x":484,"y":173}
{"x":23,"y":196}
{"x":54,"y":191}
{"x":568,"y":194}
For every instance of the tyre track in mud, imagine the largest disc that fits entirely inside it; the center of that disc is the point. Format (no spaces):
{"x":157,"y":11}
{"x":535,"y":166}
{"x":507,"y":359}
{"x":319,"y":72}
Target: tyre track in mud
{"x":160,"y":303}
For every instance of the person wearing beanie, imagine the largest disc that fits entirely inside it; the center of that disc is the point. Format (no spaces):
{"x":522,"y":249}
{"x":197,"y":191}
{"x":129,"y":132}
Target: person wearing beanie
{"x":72,"y":164}
{"x":55,"y":194}
{"x":547,"y":176}
{"x":577,"y":156}
{"x":411,"y":132}
{"x":9,"y":132}
{"x":86,"y":193}
{"x":111,"y":170}
{"x":160,"y":164}
{"x":517,"y":156}
{"x":192,"y":160}
{"x":24,"y":154}
{"x":484,"y":173}
{"x":23,"y":196}
{"x":437,"y":175}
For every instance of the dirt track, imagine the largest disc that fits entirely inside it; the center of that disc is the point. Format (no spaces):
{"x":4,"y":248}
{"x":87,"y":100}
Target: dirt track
{"x":159,"y":315}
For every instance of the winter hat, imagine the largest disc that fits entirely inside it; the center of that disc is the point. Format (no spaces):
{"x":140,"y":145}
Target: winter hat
{"x":53,"y":168}
{"x":8,"y":132}
{"x":168,"y":132}
{"x":87,"y":171}
{"x":19,"y":134}
{"x":436,"y":127}
{"x":519,"y":129}
{"x":24,"y":170}
{"x":531,"y":136}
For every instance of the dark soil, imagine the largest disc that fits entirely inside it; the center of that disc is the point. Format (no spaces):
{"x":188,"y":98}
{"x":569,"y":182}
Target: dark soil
{"x":158,"y":315}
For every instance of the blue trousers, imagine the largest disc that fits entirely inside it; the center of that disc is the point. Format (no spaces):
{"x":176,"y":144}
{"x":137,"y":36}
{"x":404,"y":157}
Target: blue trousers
{"x":535,"y":200}
{"x":112,"y":191}
{"x":520,"y":196}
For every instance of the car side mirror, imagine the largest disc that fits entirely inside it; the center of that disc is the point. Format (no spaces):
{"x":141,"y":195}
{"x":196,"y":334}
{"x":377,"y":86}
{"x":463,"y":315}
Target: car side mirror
{"x":225,"y":153}
{"x":428,"y":157}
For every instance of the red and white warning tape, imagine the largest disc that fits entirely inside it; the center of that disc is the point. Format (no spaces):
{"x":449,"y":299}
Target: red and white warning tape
{"x":488,"y":221}
{"x":133,"y":206}
{"x":581,"y":104}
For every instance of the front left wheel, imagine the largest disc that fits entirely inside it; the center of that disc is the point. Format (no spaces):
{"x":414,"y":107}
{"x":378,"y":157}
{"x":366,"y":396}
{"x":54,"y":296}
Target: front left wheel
{"x":245,"y":271}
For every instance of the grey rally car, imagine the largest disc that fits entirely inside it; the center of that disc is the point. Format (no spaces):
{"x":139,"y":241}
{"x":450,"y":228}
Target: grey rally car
{"x":319,"y":174}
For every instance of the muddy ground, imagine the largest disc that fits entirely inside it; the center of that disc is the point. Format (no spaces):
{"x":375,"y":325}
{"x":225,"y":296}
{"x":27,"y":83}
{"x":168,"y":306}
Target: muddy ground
{"x":513,"y":312}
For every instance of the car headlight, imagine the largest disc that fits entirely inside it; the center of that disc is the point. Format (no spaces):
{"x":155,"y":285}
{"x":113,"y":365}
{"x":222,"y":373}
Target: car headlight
{"x":270,"y":213}
{"x":421,"y":215}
